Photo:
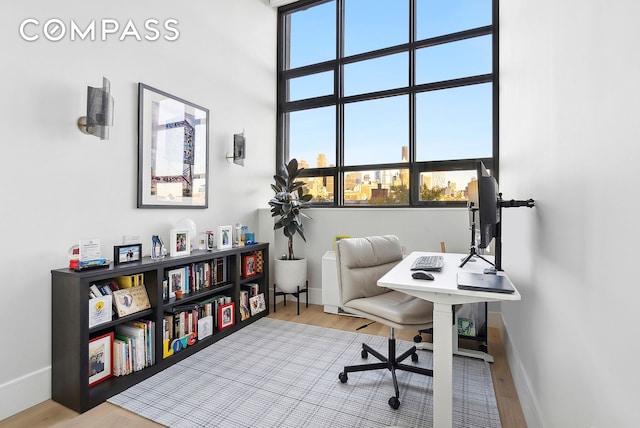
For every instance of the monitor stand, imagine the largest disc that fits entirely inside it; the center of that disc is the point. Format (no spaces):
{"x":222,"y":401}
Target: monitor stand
{"x":472,"y":251}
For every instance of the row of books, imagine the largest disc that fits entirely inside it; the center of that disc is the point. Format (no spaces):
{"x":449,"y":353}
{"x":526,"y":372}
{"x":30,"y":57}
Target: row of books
{"x":133,"y":347}
{"x":187,"y":319}
{"x":195,"y":277}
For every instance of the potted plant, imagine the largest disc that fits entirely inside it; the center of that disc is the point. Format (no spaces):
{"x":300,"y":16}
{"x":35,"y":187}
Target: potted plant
{"x":287,"y":205}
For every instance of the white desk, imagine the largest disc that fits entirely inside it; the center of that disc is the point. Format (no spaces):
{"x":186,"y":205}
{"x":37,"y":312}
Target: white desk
{"x":444,"y":293}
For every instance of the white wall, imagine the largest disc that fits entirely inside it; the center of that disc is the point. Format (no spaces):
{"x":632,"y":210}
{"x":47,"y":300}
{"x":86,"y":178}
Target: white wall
{"x":59,"y":185}
{"x":418,"y":230}
{"x":569,"y":134}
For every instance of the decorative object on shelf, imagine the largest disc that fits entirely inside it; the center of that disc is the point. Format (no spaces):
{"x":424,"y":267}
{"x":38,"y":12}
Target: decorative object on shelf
{"x":257,"y":304}
{"x":211,"y":243}
{"x":126,"y":254}
{"x":100,"y":310}
{"x":190,"y":225}
{"x":131,"y":300}
{"x":287,"y":204}
{"x":173,"y":146}
{"x":239,"y":151}
{"x":249,"y":266}
{"x":99,"y":111}
{"x":205,"y":327}
{"x":249,"y":238}
{"x":100,"y":358}
{"x":177,"y":281}
{"x":224,"y":237}
{"x":158,"y":250}
{"x":226,"y":315}
{"x":237,"y":239}
{"x":179,"y":243}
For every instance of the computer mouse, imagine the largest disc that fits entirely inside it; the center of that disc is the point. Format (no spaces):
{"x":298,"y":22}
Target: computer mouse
{"x":420,"y":274}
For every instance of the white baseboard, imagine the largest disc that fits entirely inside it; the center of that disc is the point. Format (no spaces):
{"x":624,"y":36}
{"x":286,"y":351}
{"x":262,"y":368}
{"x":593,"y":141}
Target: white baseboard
{"x":24,"y":392}
{"x":526,"y":397}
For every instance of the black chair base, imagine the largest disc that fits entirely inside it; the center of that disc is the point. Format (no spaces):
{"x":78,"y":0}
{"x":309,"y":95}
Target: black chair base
{"x":392,"y":364}
{"x":296,"y":294}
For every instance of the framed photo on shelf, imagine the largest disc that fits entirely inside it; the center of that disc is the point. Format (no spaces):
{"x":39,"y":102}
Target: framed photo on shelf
{"x":127,"y":253}
{"x":100,"y":358}
{"x":249,"y":265}
{"x":257,"y":304}
{"x":173,"y":151}
{"x":226,"y":315}
{"x":179,"y":243}
{"x":224,"y":237}
{"x":177,"y":281}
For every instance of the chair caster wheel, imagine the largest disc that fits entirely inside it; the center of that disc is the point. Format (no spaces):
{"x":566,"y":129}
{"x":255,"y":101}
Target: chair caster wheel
{"x":394,"y":403}
{"x":364,"y":354}
{"x":417,"y":338}
{"x":414,"y":357}
{"x":343,"y":377}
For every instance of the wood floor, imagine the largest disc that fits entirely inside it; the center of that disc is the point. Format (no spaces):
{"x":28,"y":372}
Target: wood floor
{"x":52,"y":414}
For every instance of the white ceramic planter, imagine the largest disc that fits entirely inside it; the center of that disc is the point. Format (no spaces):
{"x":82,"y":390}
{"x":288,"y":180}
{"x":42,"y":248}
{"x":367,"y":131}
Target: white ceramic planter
{"x":290,"y":274}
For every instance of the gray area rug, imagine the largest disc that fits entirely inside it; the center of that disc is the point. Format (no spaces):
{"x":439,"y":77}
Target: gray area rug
{"x":282,"y":374}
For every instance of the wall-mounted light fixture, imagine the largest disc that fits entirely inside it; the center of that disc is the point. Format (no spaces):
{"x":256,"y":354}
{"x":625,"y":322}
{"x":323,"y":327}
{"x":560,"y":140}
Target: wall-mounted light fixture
{"x":99,"y":111}
{"x":239,"y":150}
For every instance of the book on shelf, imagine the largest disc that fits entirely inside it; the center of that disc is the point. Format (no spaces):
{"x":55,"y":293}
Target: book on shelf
{"x":252,"y":288}
{"x":244,"y":305}
{"x":140,"y":339}
{"x":131,"y":300}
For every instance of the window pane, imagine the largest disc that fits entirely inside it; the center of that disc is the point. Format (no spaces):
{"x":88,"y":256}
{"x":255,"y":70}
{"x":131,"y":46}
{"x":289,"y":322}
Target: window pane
{"x":446,"y":185}
{"x":454,"y":60}
{"x":454,"y":123}
{"x":375,"y":131}
{"x":312,"y":35}
{"x":388,"y":72}
{"x":438,"y":17}
{"x":312,"y":136}
{"x":322,"y":188}
{"x":371,"y":25}
{"x":310,"y":86}
{"x":381,"y":187}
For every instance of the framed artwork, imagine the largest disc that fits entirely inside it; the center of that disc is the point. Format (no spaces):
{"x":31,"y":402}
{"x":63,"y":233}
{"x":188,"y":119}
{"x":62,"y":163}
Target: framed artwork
{"x":224,"y":237}
{"x":257,"y":304}
{"x":173,"y":151}
{"x":179,"y":243}
{"x":249,"y":264}
{"x":127,"y":253}
{"x":226,"y":315}
{"x":177,"y":281}
{"x":100,"y":358}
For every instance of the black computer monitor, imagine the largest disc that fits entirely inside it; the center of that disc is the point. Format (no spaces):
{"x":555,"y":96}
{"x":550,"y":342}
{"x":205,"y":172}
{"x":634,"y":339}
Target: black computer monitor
{"x":488,"y":206}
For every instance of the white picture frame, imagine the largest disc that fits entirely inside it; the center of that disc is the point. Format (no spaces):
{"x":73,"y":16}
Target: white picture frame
{"x":179,"y":242}
{"x":177,"y":281}
{"x":225,"y":237}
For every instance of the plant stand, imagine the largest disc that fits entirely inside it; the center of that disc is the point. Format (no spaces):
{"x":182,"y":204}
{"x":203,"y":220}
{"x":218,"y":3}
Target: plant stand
{"x":305,"y":290}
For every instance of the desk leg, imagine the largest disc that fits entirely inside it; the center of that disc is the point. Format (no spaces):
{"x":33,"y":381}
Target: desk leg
{"x":442,"y":366}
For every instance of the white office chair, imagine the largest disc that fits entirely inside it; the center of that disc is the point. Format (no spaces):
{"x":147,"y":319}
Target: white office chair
{"x":361,"y":262}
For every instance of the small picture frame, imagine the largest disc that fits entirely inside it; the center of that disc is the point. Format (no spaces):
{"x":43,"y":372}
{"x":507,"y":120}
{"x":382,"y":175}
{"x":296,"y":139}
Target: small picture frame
{"x":100,"y":358}
{"x":126,"y":254}
{"x":179,"y":243}
{"x":257,"y":304}
{"x":177,"y":281}
{"x":249,"y":264}
{"x":225,"y":237}
{"x":226,"y":315}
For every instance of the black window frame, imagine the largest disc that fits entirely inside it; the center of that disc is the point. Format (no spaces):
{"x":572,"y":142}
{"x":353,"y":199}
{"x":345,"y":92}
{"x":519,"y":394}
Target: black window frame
{"x":336,"y":99}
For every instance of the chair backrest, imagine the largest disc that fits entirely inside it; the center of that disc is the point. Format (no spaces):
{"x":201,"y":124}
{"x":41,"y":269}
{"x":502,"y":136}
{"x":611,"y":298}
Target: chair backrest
{"x":362,"y":261}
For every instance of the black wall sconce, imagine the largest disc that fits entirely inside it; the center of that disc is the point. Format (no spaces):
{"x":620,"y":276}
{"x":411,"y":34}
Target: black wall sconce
{"x":99,"y":111}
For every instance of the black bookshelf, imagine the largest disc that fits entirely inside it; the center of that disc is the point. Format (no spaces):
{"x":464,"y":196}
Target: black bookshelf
{"x":70,"y":332}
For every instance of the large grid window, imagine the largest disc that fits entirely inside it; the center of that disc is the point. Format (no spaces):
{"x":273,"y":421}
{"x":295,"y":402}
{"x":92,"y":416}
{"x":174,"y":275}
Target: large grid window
{"x":388,"y":102}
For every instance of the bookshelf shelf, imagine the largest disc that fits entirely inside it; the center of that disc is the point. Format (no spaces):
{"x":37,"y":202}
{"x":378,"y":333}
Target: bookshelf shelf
{"x":71,"y":334}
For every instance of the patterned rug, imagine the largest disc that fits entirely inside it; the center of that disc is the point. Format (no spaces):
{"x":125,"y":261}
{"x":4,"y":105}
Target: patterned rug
{"x":282,"y":374}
